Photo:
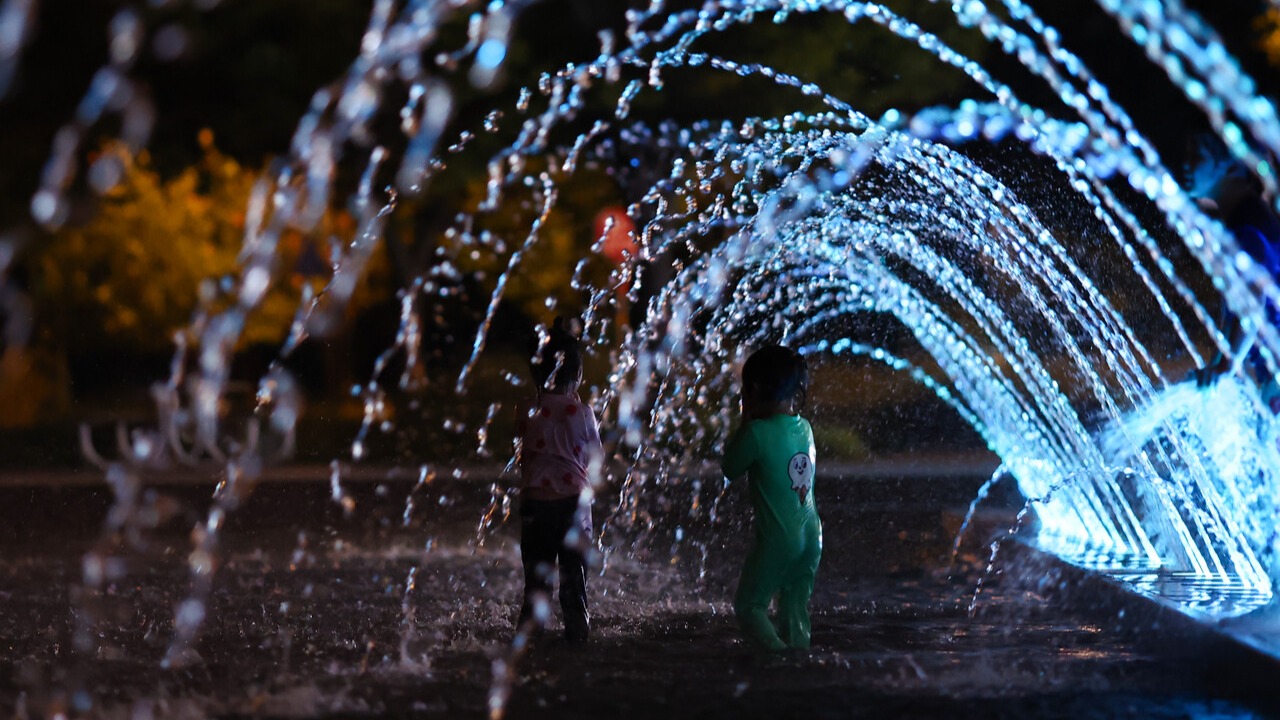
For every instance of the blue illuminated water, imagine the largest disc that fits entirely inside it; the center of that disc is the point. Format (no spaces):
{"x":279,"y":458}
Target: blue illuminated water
{"x":1069,"y":355}
{"x":832,"y":216}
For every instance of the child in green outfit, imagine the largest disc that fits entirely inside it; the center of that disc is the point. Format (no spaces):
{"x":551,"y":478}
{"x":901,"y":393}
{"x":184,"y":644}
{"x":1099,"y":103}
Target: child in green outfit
{"x":774,"y":447}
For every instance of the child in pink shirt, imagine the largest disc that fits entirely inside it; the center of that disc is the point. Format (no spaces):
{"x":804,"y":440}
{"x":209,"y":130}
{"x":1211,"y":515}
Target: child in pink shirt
{"x":559,"y":441}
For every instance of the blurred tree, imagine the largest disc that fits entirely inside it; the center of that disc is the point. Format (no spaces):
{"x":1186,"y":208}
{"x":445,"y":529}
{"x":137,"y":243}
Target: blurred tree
{"x":861,"y":63}
{"x":122,"y":283}
{"x":1268,"y":26}
{"x":542,"y":287}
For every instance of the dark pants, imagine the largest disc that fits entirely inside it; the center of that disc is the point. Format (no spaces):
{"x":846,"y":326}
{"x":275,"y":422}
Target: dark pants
{"x":544,"y":525}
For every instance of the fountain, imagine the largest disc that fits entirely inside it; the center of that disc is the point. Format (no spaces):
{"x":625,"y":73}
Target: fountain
{"x":817,"y":228}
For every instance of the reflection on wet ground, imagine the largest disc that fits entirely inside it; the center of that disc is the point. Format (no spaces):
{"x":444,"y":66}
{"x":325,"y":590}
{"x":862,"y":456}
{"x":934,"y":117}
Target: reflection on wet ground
{"x":1195,"y":594}
{"x":309,"y":616}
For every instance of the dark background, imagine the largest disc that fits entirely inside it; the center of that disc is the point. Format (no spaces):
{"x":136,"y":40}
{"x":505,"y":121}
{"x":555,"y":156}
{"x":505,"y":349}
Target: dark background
{"x":250,"y":69}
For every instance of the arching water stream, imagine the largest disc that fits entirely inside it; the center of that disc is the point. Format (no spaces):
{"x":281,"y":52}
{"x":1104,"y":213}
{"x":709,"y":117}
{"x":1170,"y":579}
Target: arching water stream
{"x":1068,"y":356}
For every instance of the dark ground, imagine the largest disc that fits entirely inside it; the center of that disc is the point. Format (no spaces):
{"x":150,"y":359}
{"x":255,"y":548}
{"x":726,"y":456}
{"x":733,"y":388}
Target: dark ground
{"x":308,"y":614}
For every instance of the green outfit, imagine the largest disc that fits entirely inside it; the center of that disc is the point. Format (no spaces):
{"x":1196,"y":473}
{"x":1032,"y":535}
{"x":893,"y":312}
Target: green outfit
{"x":777,"y":454}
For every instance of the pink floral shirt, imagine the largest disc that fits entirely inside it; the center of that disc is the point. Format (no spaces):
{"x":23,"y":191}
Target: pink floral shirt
{"x":560,"y":436}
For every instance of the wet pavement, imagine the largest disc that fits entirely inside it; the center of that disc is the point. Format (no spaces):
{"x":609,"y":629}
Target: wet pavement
{"x":308,"y":614}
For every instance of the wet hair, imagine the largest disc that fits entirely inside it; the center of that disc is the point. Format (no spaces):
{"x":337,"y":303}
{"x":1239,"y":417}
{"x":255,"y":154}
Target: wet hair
{"x":776,"y":374}
{"x":559,"y":356}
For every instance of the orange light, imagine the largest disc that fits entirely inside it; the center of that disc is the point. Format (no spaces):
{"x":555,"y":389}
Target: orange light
{"x":621,"y":240}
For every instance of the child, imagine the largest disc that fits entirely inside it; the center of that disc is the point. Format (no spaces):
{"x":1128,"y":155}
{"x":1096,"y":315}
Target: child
{"x":559,"y":441}
{"x":774,"y":447}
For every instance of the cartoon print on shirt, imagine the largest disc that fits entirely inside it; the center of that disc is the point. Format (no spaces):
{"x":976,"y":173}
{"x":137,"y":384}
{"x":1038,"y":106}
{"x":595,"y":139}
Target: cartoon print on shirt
{"x":800,"y":469}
